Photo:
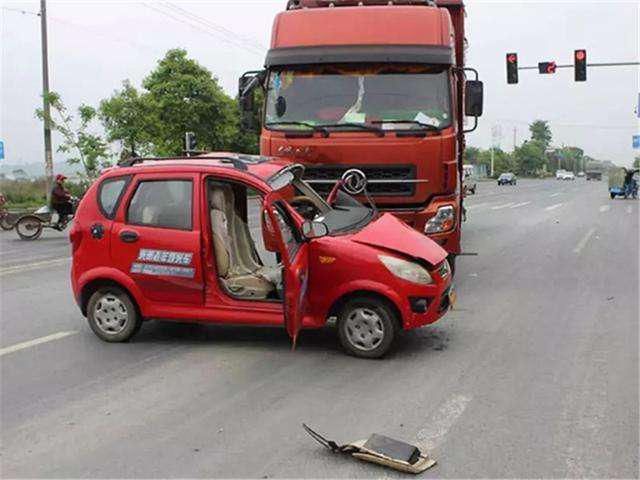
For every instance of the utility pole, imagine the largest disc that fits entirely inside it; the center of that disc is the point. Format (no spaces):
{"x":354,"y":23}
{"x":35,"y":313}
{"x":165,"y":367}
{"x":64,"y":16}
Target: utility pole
{"x":48,"y":155}
{"x":515,"y":130}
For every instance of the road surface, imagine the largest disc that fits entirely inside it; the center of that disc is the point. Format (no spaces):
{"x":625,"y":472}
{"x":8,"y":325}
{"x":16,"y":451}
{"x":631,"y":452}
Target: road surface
{"x":535,"y":374}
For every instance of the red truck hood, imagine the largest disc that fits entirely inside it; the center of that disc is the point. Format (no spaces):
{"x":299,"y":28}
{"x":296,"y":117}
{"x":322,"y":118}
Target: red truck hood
{"x":393,"y":234}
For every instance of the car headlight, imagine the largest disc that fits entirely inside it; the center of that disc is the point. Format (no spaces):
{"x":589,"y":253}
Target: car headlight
{"x":443,"y":221}
{"x":409,"y":271}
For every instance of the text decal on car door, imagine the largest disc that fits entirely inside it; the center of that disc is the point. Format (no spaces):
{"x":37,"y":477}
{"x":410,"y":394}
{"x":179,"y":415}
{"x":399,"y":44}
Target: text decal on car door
{"x":177,"y":263}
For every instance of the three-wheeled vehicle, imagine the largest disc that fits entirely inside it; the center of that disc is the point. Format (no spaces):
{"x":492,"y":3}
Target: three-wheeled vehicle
{"x":227,"y":238}
{"x":623,"y":183}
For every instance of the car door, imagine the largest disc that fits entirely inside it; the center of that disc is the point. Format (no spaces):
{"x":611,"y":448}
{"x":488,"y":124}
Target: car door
{"x":294,"y":253}
{"x":156,"y":238}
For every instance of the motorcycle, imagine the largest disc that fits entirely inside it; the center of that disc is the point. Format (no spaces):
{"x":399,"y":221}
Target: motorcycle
{"x":30,"y":227}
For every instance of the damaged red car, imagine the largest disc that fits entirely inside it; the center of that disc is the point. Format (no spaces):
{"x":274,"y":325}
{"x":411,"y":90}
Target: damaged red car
{"x":235,"y":239}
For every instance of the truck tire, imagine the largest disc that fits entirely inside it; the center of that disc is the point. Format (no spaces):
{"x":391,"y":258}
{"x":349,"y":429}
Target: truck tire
{"x":112,"y":315}
{"x":367,"y":327}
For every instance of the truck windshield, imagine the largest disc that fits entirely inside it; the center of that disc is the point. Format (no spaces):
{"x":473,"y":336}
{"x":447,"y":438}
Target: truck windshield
{"x":340,"y":97}
{"x":345,"y":215}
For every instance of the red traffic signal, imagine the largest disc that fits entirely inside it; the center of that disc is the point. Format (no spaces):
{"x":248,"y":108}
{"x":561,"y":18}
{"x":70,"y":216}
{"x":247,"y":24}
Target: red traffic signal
{"x":512,"y":68}
{"x":547,"y":67}
{"x":580,"y":65}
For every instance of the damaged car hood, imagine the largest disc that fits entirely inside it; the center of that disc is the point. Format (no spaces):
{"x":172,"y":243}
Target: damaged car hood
{"x":393,"y":234}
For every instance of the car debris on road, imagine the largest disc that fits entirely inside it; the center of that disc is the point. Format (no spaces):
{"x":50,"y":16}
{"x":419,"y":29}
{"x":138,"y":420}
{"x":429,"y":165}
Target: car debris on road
{"x":381,"y":450}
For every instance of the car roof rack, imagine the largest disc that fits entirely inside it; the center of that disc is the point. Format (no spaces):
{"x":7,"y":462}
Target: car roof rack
{"x":240,"y":161}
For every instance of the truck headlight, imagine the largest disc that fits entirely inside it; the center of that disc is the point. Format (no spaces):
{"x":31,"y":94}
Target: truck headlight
{"x":443,"y":221}
{"x":409,"y":271}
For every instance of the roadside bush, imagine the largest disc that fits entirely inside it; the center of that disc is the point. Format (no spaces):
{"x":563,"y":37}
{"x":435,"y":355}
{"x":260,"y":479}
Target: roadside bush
{"x":32,"y":193}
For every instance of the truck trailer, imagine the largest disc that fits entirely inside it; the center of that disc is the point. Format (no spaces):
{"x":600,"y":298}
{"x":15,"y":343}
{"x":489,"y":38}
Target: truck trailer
{"x":376,"y":85}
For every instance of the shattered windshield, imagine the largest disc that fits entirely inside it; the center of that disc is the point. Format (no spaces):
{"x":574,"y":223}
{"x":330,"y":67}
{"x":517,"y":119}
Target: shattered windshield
{"x":343,"y":215}
{"x":381,"y":96}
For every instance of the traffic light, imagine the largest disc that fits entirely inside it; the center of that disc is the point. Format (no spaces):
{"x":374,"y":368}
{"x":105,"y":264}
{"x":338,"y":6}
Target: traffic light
{"x":547,"y":67}
{"x":512,"y":68}
{"x":580,"y":65}
{"x":190,"y":142}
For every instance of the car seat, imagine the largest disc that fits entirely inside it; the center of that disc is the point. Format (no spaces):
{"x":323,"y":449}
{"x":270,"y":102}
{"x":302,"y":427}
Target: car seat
{"x":242,"y":277}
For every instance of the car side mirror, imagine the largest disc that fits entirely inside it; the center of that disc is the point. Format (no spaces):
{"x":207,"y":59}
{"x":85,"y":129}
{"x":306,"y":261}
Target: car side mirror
{"x":474,"y":98}
{"x":312,"y":229}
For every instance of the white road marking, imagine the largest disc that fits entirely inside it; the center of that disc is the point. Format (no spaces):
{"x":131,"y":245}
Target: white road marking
{"x":605,"y":208}
{"x":629,"y":209}
{"x":436,"y":428}
{"x":555,"y":194}
{"x":36,"y":341}
{"x":477,"y":205}
{"x":553,"y":207}
{"x":32,"y":266}
{"x":518,"y":205}
{"x":500,"y":207}
{"x":583,"y":242}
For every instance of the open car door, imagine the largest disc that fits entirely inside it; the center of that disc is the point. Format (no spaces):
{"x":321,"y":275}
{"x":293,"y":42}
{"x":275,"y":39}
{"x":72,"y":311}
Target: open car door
{"x":280,"y":229}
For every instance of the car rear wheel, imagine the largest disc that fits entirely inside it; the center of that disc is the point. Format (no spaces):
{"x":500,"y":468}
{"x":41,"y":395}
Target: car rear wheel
{"x":112,"y":315}
{"x":367,"y":327}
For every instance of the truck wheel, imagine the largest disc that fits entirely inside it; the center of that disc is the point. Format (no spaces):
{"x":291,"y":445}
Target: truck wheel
{"x":112,"y":315}
{"x":367,"y":327}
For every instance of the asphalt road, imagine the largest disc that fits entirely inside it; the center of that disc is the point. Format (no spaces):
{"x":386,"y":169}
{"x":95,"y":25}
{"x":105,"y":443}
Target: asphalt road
{"x":535,"y":374}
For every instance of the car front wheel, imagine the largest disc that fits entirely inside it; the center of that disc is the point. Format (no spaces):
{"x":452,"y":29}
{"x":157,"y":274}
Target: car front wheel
{"x":367,"y":327}
{"x":112,"y":315}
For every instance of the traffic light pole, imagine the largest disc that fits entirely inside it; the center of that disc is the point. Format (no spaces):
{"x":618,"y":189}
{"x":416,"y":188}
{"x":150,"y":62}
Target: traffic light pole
{"x":610,"y":64}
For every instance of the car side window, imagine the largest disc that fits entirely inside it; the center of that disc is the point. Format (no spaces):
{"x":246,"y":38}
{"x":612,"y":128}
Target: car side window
{"x":162,"y":203}
{"x":110,"y":193}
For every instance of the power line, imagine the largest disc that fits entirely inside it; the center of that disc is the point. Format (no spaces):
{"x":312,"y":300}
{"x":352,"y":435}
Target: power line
{"x":216,"y":35}
{"x":248,"y":42}
{"x":24,"y":12}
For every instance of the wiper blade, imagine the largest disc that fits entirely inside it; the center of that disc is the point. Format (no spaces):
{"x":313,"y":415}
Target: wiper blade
{"x":425,"y":126}
{"x":315,"y":128}
{"x":362,"y":126}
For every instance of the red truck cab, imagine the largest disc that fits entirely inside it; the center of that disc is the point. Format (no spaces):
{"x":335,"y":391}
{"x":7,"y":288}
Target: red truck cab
{"x":227,"y":238}
{"x":379,"y":86}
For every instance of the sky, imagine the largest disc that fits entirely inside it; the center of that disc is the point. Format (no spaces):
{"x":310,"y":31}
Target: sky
{"x":95,"y":45}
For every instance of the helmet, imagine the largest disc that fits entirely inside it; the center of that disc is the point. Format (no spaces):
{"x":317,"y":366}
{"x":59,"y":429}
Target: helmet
{"x":60,"y":177}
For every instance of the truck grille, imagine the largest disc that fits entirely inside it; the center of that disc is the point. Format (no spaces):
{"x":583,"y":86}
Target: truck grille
{"x":323,"y":178}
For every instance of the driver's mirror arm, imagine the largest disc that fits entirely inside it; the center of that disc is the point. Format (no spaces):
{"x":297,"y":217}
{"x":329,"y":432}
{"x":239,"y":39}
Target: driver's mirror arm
{"x":473,"y":96}
{"x":247,"y":83}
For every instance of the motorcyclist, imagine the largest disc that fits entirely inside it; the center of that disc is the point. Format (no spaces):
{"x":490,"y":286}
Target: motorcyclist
{"x":61,"y":200}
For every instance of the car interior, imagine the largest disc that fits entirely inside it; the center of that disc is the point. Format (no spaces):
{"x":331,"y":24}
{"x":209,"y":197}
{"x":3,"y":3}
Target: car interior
{"x":245,"y":268}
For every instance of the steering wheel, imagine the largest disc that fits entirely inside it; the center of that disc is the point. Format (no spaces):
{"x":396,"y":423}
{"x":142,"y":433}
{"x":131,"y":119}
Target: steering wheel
{"x":305,"y":207}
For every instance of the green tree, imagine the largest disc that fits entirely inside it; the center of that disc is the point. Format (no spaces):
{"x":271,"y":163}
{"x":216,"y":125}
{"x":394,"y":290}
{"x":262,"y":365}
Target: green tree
{"x":572,"y":158}
{"x":128,"y":117}
{"x":541,"y":132}
{"x":83,"y":147}
{"x":184,"y":96}
{"x":530,"y":157}
{"x":471,"y":155}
